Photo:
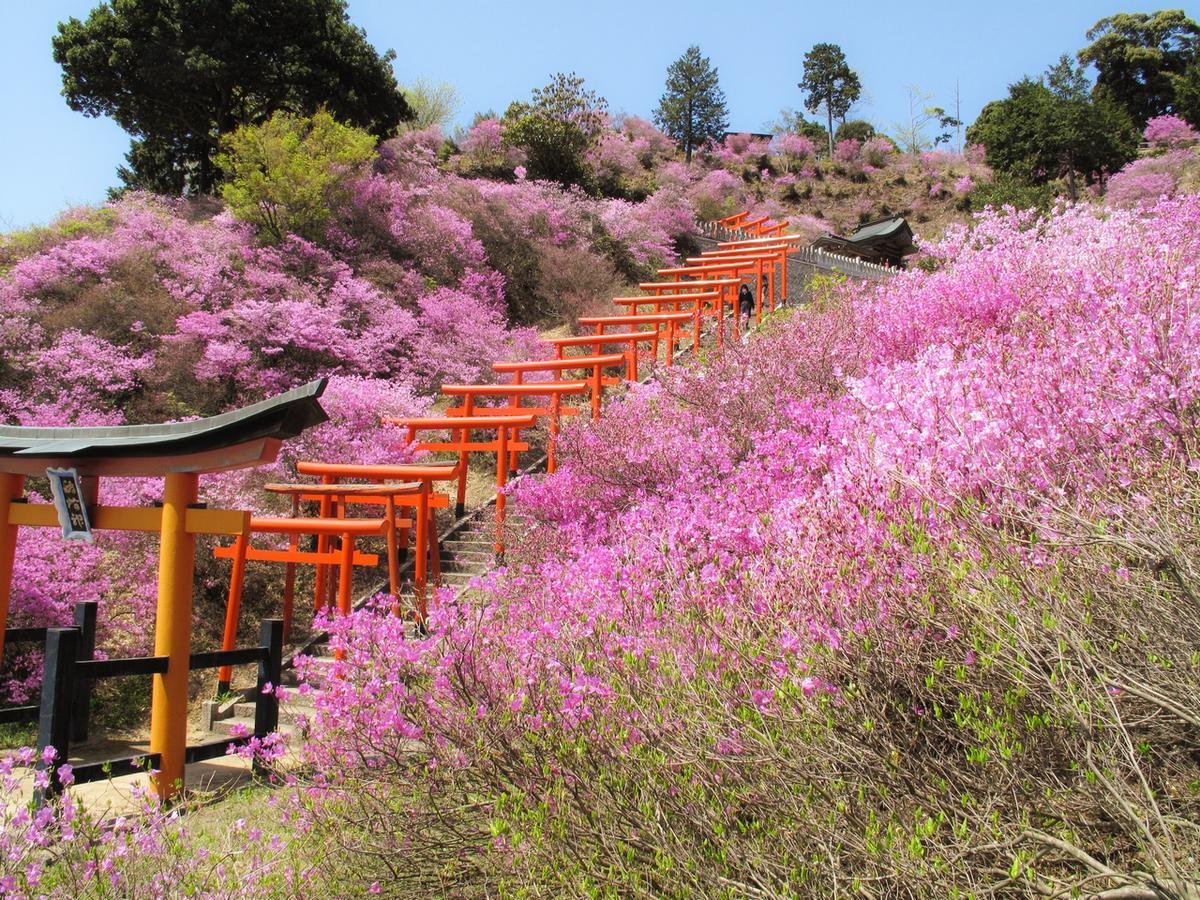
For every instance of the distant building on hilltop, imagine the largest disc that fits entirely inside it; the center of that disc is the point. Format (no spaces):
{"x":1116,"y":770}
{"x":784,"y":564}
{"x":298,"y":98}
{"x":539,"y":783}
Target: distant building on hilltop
{"x":754,"y":135}
{"x":884,"y":241}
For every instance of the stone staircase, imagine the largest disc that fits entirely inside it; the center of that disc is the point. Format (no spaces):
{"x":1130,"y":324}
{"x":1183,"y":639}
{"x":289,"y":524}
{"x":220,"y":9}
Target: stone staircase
{"x":467,"y":551}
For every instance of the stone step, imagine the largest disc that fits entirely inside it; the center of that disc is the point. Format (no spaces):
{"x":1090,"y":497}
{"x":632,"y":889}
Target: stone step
{"x":478,"y":534}
{"x":245,"y":725}
{"x":472,"y":546}
{"x":464,"y":565}
{"x":290,"y":710}
{"x":470,"y":557}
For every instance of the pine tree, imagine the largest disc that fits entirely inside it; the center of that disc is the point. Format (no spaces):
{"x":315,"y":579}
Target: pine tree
{"x":829,"y":82}
{"x":692,"y":110}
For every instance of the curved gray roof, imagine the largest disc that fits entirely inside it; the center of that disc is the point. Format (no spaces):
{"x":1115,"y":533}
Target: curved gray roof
{"x":879,"y":228}
{"x":281,"y":417}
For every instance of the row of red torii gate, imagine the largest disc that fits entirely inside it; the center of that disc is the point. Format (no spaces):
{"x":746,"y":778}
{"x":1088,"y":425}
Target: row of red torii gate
{"x":397,"y":503}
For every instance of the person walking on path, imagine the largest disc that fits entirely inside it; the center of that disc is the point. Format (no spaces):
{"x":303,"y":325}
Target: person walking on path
{"x":746,"y":304}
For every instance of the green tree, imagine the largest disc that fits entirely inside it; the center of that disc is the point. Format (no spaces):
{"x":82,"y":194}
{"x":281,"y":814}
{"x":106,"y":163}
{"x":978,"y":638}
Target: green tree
{"x":179,"y":75}
{"x":829,"y":82}
{"x":1055,"y":128}
{"x":1187,"y":94}
{"x":856,"y":130}
{"x":557,"y":128}
{"x":692,"y":110}
{"x":287,"y":174}
{"x":431,"y":103}
{"x":1139,"y":57}
{"x":792,"y":122}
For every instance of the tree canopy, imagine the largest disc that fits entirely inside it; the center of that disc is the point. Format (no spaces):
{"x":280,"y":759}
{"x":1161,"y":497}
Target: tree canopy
{"x":180,"y":74}
{"x":1054,"y":128}
{"x":556,"y":128}
{"x":288,"y":174}
{"x":692,"y":109}
{"x":432,"y":103}
{"x":856,"y":130}
{"x":1140,"y":57}
{"x":830,"y":82}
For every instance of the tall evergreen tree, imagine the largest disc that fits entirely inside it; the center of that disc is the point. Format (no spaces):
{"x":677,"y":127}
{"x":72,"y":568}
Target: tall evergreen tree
{"x":1140,"y":58}
{"x":1055,"y":128}
{"x":830,"y":82}
{"x":179,"y":75}
{"x":692,"y":109}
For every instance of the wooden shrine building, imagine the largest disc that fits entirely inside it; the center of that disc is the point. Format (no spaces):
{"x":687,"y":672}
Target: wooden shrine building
{"x":884,"y":241}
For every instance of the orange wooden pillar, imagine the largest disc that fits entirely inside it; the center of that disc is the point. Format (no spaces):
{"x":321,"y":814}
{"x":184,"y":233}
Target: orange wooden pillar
{"x":321,"y":586}
{"x":501,"y":482}
{"x":758,"y":292}
{"x":173,"y":633}
{"x":233,"y":608}
{"x":11,"y":488}
{"x":421,"y":557}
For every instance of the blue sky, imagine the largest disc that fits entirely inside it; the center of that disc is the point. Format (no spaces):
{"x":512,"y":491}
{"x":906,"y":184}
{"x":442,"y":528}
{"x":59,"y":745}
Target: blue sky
{"x":493,"y":52}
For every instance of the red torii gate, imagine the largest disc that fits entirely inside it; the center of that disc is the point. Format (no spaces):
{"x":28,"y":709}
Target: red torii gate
{"x":511,"y":395}
{"x":425,"y":504}
{"x":671,"y":320}
{"x":178,"y":453}
{"x":463,"y":426}
{"x":761,"y":263}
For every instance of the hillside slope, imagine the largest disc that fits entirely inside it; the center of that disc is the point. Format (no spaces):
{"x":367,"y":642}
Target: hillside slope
{"x":897,"y":594}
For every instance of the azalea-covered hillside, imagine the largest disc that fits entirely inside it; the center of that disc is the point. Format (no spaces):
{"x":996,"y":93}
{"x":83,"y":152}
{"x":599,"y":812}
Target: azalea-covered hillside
{"x":902,"y":592}
{"x":391,"y":270}
{"x":406,"y":276}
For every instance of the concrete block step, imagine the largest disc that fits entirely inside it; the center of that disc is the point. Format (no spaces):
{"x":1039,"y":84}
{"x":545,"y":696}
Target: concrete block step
{"x":289,"y":711}
{"x":477,"y":549}
{"x":448,"y":575}
{"x":245,"y":725}
{"x":472,"y":534}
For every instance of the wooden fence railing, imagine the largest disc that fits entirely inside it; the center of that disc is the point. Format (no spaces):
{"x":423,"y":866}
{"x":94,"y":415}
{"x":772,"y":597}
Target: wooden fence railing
{"x":68,"y":672}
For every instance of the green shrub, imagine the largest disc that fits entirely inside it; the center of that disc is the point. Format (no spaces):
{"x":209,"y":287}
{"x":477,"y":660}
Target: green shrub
{"x":1008,"y":190}
{"x":286,"y":174}
{"x":855,"y":129}
{"x":556,"y":129}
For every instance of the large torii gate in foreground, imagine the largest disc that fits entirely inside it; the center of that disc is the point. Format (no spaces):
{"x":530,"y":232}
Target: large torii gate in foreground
{"x":178,"y":453}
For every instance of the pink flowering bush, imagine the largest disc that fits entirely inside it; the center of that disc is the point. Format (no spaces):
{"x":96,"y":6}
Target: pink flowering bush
{"x":1149,"y":178}
{"x":624,"y":157}
{"x":617,"y":163}
{"x":65,"y":849}
{"x":847,"y":151}
{"x":650,"y":144}
{"x":792,"y":150}
{"x":740,"y":150}
{"x":719,"y":193}
{"x":816,"y":588}
{"x":485,"y":153}
{"x":1169,"y":131}
{"x":676,"y":174}
{"x":877,"y":151}
{"x":651,"y":230}
{"x":809,"y":226}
